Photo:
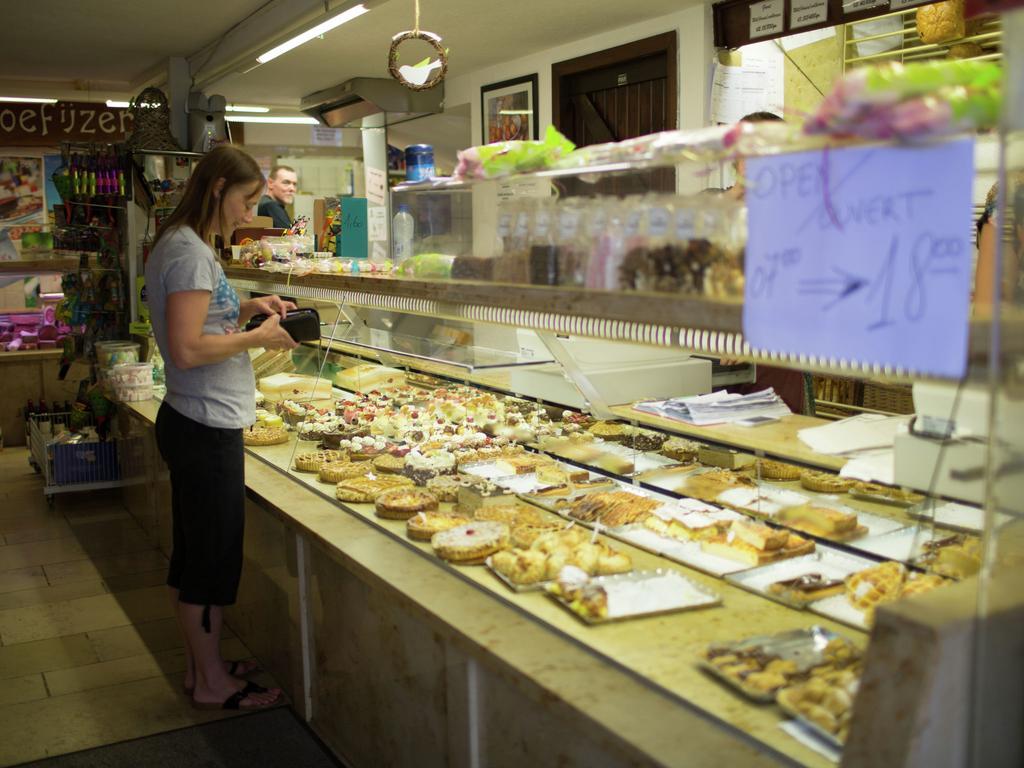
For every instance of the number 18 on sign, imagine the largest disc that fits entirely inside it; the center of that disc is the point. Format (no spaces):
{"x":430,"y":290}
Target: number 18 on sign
{"x":863,"y":255}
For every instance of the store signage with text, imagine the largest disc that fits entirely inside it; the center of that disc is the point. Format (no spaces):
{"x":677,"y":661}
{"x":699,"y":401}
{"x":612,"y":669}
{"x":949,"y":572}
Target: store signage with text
{"x":766,"y":18}
{"x":803,"y":13}
{"x":25,"y":124}
{"x":862,"y":255}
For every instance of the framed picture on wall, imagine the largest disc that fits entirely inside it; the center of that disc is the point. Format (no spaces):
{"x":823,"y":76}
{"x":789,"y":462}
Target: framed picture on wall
{"x":509,"y":110}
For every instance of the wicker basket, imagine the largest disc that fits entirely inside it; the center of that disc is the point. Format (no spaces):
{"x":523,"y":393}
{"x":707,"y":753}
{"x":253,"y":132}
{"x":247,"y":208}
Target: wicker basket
{"x":890,"y":398}
{"x":834,"y":389}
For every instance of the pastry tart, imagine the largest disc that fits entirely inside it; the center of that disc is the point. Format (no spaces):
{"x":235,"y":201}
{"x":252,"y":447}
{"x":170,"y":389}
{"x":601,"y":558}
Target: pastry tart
{"x":512,"y":515}
{"x":777,"y":470}
{"x":336,"y":471}
{"x":367,"y":489}
{"x":423,"y":525}
{"x":389,"y":464}
{"x":472,"y":543}
{"x":680,"y":449}
{"x":311,"y":462}
{"x":824,"y":482}
{"x":608,"y":430}
{"x":403,"y":503}
{"x":264,"y":436}
{"x":445,"y":487}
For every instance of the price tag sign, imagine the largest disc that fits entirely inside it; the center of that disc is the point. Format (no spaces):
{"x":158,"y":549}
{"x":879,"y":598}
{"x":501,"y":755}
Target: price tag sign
{"x":803,"y":13}
{"x":766,"y":18}
{"x":863,"y":255}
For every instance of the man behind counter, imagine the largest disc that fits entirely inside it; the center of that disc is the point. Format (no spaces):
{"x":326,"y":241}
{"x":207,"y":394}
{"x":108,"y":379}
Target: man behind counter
{"x":281,"y":186}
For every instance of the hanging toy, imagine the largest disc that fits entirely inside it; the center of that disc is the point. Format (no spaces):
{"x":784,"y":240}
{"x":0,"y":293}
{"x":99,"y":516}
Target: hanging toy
{"x":426,"y":74}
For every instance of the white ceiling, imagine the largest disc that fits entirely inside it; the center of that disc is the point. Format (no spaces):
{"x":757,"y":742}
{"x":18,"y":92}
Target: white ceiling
{"x":110,"y":48}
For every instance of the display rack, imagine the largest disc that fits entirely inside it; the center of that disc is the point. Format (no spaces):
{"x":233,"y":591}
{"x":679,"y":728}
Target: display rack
{"x":701,"y":325}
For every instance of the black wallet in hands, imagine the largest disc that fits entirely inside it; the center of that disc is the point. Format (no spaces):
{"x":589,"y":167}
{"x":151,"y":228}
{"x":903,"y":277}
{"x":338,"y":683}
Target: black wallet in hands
{"x":301,"y":324}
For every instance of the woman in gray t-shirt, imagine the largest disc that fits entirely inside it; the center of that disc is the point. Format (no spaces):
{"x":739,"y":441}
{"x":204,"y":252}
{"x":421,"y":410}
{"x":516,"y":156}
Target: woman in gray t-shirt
{"x":196,"y":319}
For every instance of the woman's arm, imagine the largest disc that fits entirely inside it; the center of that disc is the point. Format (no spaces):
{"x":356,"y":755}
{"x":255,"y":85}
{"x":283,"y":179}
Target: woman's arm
{"x":190,"y":347}
{"x":984,"y":273}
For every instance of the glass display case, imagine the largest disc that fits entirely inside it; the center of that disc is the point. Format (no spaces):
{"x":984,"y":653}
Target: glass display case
{"x":510,"y":408}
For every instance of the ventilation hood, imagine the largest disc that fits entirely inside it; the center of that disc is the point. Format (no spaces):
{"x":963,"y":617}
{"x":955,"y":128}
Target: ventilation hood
{"x":347,"y":104}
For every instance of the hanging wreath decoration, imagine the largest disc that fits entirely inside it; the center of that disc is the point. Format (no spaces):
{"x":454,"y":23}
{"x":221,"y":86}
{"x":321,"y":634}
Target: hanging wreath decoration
{"x":426,"y":74}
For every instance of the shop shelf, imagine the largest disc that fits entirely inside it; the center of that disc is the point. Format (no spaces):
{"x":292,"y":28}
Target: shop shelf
{"x":705,"y":326}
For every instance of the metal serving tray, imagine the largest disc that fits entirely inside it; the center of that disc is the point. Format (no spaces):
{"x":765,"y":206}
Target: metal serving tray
{"x":830,"y":563}
{"x":839,"y":608}
{"x":699,"y":596}
{"x":804,"y":646}
{"x":687,"y":553}
{"x":538,"y":586}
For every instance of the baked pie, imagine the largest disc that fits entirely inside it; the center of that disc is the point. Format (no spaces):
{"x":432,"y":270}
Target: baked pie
{"x":608,"y":430}
{"x":403,"y":503}
{"x":777,"y":470}
{"x":445,"y":487}
{"x":264,"y":436}
{"x":472,"y":543}
{"x":824,"y":482}
{"x":311,"y":462}
{"x":512,"y":515}
{"x":886,"y":493}
{"x":388,"y":463}
{"x":681,"y":450}
{"x":367,"y":489}
{"x":423,"y":525}
{"x":337,"y":471}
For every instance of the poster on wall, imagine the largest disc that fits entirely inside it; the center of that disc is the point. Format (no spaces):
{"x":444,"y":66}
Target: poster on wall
{"x":509,"y":109}
{"x":21,"y":190}
{"x":21,"y":202}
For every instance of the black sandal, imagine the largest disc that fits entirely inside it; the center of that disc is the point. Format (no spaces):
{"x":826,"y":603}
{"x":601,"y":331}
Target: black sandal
{"x":232,"y":670}
{"x":234,"y":701}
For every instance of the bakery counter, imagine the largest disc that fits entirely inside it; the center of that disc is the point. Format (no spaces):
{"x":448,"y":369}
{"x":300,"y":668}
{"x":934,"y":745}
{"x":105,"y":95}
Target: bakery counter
{"x":777,"y":439}
{"x":385,"y":639}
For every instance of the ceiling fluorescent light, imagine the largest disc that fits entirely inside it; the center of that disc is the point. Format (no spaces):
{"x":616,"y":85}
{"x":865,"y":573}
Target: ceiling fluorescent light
{"x":28,"y":99}
{"x":515,"y":112}
{"x":117,"y":104}
{"x":279,"y":120}
{"x":242,"y":108}
{"x":320,"y":29}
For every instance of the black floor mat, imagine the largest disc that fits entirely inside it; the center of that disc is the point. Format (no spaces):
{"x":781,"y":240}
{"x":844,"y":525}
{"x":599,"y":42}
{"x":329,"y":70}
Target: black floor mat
{"x":274,"y":737}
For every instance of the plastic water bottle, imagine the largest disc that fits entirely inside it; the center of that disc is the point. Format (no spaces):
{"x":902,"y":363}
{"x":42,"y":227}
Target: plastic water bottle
{"x":401,"y":235}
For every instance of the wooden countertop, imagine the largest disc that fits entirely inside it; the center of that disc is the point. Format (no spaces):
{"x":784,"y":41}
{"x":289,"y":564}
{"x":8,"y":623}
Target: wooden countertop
{"x":777,"y":439}
{"x":31,"y":354}
{"x":657,"y":652}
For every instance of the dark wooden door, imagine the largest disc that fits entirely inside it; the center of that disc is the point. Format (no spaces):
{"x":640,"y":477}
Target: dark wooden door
{"x":619,"y":94}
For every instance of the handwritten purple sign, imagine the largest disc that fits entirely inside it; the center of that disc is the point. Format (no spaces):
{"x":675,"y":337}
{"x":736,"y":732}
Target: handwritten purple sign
{"x":862,"y":255}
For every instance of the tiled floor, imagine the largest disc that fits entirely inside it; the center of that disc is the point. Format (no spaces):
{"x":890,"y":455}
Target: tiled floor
{"x":89,"y":650}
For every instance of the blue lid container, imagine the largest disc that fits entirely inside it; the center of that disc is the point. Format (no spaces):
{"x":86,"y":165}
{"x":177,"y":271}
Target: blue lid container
{"x":419,"y":162}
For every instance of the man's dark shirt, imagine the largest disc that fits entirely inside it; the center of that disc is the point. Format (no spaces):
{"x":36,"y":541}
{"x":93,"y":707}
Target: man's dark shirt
{"x":270,"y":207}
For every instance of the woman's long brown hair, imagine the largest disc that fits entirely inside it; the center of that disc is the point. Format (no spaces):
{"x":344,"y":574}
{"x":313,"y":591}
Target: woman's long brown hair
{"x":198,"y":207}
